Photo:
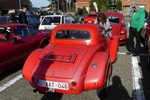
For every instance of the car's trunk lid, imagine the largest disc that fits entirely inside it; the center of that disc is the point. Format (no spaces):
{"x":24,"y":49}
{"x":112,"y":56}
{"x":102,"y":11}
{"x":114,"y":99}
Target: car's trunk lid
{"x":60,"y":62}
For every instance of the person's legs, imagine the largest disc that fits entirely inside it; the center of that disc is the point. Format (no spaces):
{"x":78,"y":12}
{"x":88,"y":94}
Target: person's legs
{"x":130,"y":44}
{"x":138,"y":42}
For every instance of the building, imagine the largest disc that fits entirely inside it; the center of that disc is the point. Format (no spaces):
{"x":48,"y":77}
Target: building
{"x":82,"y":3}
{"x":6,"y":5}
{"x":126,"y":5}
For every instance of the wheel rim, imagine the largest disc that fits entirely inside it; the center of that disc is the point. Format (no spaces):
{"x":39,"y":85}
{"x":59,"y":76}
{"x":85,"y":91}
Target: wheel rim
{"x":44,"y":44}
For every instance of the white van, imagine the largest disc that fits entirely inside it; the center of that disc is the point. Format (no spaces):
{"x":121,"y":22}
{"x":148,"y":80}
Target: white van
{"x":51,"y":21}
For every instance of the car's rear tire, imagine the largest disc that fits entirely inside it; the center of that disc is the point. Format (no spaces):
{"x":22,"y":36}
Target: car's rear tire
{"x":44,"y":44}
{"x":102,"y":92}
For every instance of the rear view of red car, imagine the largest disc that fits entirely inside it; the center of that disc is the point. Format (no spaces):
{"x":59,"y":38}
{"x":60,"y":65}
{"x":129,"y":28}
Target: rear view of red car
{"x":78,"y":58}
{"x":90,"y":18}
{"x":117,"y":22}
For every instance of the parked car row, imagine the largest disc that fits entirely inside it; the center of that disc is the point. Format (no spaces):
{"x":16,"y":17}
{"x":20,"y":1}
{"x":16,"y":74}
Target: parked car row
{"x":31,"y":18}
{"x":17,"y":41}
{"x":27,"y":36}
{"x":61,"y":55}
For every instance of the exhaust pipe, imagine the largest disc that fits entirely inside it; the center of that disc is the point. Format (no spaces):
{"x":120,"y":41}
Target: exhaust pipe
{"x":35,"y":90}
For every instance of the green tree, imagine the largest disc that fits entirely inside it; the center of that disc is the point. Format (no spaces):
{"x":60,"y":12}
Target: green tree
{"x":103,"y":5}
{"x":27,"y":2}
{"x":119,"y":5}
{"x":85,"y":12}
{"x":92,"y":8}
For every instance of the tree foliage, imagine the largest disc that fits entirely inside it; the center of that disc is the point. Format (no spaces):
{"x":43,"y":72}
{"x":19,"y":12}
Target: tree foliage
{"x":103,"y":5}
{"x":119,"y":5}
{"x":84,"y":10}
{"x":92,"y":8}
{"x":29,"y":3}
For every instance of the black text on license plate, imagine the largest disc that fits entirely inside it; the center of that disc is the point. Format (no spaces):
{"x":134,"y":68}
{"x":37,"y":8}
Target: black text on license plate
{"x":51,"y":84}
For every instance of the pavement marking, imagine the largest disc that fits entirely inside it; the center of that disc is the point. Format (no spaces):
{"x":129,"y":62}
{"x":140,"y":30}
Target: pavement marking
{"x":137,"y":82}
{"x":122,"y":53}
{"x":138,"y":92}
{"x":11,"y":82}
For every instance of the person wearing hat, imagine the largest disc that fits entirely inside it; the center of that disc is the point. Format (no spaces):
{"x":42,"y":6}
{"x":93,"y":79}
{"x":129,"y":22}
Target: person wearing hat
{"x":136,"y":26}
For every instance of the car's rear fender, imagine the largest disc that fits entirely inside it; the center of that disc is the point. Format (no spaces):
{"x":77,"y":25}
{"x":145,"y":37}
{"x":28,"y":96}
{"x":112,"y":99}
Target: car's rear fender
{"x":29,"y":64}
{"x":113,"y":43}
{"x":98,"y":70}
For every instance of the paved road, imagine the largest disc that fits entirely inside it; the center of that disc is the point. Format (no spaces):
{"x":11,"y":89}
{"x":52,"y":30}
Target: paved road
{"x":130,"y":79}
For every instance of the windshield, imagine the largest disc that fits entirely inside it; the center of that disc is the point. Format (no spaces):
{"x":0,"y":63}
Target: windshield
{"x":113,"y":19}
{"x":4,"y":33}
{"x":92,"y":15}
{"x":51,"y":20}
{"x":32,"y":19}
{"x":3,"y":19}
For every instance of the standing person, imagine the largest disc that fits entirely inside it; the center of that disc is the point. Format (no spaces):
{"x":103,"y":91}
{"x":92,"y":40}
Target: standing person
{"x":103,"y":21}
{"x":136,"y":26}
{"x":11,"y":16}
{"x":23,"y":16}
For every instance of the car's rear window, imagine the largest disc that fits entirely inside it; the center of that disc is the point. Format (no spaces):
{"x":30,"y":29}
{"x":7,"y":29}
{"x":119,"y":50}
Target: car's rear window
{"x":51,"y":20}
{"x":72,"y":34}
{"x":4,"y":33}
{"x":113,"y":19}
{"x":92,"y":15}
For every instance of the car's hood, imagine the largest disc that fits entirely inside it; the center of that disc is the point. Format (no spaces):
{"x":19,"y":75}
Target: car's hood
{"x":60,"y":61}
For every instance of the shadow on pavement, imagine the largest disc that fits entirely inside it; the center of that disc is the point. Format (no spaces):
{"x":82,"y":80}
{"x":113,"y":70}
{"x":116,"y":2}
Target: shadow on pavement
{"x":117,"y":91}
{"x":52,"y":96}
{"x":10,"y":71}
{"x":145,"y":72}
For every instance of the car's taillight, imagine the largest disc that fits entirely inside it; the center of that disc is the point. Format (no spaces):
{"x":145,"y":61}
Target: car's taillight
{"x":73,"y":83}
{"x":122,"y":33}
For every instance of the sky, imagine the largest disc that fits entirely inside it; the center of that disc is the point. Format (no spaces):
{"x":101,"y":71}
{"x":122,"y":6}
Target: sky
{"x":39,"y":3}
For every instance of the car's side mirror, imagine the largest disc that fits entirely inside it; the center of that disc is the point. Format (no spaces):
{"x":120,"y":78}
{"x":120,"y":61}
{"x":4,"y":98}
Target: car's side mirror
{"x":14,"y":39}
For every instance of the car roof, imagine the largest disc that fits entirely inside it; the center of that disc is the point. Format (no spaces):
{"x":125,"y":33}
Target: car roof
{"x":94,"y":30}
{"x":12,"y":24}
{"x":53,"y":15}
{"x":118,"y":14}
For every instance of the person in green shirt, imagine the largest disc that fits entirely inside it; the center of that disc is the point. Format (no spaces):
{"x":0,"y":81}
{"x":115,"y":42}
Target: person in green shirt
{"x":136,"y":26}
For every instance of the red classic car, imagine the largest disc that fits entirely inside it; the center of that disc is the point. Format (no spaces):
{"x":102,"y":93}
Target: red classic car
{"x":90,"y":18}
{"x":148,"y":41}
{"x":119,"y":27}
{"x":17,"y":41}
{"x":78,"y":58}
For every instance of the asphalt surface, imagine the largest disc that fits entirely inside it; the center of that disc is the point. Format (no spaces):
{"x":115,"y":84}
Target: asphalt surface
{"x":125,"y":83}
